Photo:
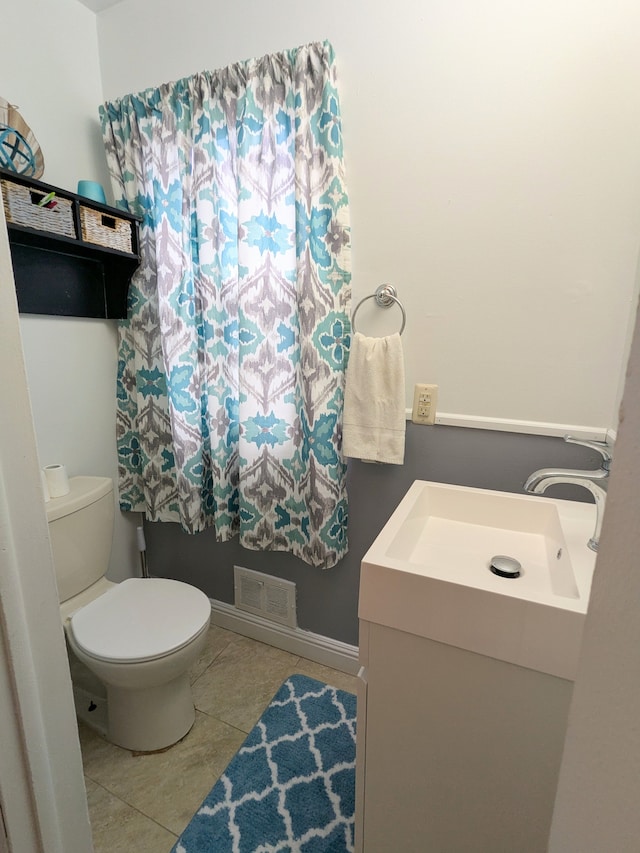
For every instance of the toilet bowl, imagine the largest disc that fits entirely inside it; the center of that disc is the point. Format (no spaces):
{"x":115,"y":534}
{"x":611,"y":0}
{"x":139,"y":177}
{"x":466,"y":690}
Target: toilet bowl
{"x":138,"y":637}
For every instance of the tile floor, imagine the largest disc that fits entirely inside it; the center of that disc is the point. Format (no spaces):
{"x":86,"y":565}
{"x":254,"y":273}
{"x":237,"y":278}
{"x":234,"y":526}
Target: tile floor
{"x":142,"y":803}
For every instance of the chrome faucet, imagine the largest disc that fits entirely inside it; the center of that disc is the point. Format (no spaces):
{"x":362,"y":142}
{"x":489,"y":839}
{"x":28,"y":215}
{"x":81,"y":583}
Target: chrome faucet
{"x":596,"y":480}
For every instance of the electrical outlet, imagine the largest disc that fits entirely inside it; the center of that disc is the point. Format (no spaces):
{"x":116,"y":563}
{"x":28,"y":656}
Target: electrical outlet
{"x":425,"y":398}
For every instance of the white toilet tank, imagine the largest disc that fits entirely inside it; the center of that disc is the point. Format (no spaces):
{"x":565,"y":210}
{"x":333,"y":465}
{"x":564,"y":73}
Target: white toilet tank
{"x":81,"y":531}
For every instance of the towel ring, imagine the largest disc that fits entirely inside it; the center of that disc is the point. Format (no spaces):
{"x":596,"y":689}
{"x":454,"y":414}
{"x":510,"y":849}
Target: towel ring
{"x":385,"y":297}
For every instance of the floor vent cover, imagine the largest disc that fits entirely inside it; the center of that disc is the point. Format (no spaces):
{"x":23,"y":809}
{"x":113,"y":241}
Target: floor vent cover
{"x":265,"y":595}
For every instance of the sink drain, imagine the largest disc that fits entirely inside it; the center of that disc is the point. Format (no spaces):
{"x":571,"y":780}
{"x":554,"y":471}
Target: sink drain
{"x":505,"y":567}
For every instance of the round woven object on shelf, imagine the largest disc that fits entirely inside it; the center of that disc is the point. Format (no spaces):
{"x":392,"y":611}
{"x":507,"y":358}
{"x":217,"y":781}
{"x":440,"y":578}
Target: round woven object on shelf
{"x":19,"y":149}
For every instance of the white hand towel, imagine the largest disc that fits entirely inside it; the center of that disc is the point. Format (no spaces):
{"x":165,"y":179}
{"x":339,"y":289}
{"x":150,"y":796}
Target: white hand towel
{"x":374,"y":420}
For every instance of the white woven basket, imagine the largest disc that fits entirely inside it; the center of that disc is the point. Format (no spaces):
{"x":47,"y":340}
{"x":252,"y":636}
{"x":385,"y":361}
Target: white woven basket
{"x":21,"y":208}
{"x":105,"y":230}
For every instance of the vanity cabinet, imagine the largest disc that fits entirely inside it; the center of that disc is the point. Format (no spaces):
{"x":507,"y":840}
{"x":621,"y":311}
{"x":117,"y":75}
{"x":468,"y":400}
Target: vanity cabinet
{"x":467,"y":675}
{"x":71,"y":256}
{"x":456,"y":751}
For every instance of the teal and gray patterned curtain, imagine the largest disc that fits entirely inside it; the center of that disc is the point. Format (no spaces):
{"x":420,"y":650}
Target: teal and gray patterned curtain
{"x":232,"y":359}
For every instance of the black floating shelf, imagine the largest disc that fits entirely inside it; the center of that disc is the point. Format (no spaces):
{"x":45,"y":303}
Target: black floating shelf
{"x":70,"y":276}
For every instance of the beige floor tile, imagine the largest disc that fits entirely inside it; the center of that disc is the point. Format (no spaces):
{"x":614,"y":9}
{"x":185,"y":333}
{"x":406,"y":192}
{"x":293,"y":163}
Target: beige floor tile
{"x":241,"y":681}
{"x":325,"y":673}
{"x":119,"y":828}
{"x":168,"y":786}
{"x":217,"y":641}
{"x":141,"y":803}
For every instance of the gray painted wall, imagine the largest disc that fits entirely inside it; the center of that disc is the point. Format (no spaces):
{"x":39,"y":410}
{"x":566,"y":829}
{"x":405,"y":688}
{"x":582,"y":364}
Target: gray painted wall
{"x":328,"y":600}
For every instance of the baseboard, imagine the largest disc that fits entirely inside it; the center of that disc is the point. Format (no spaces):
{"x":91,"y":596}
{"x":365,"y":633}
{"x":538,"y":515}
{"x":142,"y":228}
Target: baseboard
{"x":315,"y":647}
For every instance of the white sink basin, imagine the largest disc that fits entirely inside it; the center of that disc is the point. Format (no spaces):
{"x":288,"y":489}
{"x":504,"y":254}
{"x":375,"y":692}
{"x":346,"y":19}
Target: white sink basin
{"x":428,"y":573}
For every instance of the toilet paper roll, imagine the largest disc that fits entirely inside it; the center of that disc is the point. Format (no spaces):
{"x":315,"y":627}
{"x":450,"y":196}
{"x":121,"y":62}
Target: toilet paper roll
{"x":57,"y":480}
{"x":45,"y":486}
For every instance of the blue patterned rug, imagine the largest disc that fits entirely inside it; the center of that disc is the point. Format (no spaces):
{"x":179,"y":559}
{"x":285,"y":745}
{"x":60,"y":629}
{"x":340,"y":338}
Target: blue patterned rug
{"x":291,"y":786}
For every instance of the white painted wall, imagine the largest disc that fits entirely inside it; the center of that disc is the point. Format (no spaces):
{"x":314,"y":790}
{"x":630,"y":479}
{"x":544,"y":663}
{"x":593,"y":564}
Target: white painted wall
{"x":492,"y":162}
{"x":71,"y":362}
{"x":597,"y":801}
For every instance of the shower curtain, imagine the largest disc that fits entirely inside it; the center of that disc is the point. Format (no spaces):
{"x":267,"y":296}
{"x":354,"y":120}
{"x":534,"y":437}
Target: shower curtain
{"x":232,"y":359}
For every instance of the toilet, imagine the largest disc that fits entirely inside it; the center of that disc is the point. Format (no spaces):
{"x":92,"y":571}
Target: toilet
{"x":138,"y":638}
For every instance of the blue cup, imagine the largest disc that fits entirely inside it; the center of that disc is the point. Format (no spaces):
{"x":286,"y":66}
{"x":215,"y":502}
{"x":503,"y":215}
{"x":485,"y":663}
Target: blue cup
{"x":92,"y":190}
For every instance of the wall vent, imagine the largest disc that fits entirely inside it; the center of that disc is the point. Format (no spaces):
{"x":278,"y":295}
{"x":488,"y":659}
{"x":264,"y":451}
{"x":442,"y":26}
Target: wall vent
{"x":265,"y":595}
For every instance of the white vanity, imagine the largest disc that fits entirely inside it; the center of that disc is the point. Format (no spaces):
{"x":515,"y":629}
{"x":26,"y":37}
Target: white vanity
{"x":466,"y":675}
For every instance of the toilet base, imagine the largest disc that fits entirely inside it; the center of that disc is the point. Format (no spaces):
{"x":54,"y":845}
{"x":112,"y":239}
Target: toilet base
{"x":91,"y":709}
{"x":149,"y":702}
{"x":152,"y":718}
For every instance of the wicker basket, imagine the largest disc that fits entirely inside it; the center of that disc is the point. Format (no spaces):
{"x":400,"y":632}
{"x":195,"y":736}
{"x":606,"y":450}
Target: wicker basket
{"x":21,"y":208}
{"x":105,"y":230}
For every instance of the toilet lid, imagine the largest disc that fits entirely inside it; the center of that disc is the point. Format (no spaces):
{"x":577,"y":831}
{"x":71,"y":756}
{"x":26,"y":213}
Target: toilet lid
{"x":141,"y":619}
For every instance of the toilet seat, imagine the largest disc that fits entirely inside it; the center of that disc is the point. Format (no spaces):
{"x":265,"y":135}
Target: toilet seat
{"x":141,"y":619}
